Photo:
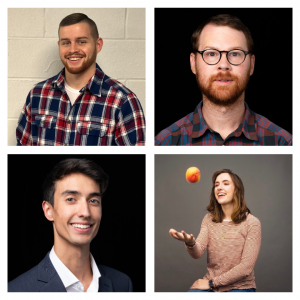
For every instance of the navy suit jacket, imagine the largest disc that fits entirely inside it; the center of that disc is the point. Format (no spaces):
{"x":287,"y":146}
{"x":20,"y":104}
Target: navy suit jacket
{"x":44,"y":278}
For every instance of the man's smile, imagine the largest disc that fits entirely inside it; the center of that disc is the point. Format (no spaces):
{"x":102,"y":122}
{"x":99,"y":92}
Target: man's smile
{"x":223,"y":82}
{"x":74,"y":59}
{"x":82,"y":227}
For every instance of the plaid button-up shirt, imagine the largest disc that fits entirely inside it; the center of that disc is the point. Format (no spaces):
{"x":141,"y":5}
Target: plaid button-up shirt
{"x":192,"y":130}
{"x":105,"y":113}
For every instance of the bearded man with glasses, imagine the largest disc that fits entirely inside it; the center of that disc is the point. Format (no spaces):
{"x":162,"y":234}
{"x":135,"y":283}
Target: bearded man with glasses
{"x":223,"y":61}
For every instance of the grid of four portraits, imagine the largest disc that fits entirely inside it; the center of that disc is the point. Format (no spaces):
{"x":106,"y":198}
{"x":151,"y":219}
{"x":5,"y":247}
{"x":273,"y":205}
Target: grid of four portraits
{"x":214,"y":78}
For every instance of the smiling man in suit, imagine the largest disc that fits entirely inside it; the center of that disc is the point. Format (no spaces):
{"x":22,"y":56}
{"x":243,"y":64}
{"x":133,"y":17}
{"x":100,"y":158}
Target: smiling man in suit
{"x":72,"y":202}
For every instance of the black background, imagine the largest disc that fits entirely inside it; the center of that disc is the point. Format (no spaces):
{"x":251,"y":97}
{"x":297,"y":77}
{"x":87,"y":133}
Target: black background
{"x":269,"y":92}
{"x":120,"y":242}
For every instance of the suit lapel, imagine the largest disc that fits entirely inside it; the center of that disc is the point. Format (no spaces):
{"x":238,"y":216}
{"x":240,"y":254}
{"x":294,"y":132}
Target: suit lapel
{"x":48,"y":279}
{"x":105,"y":284}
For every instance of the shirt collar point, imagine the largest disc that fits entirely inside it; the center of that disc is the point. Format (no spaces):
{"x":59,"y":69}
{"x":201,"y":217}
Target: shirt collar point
{"x":248,"y":136}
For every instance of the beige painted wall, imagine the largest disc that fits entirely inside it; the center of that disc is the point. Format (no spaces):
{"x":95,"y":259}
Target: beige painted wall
{"x":33,"y":50}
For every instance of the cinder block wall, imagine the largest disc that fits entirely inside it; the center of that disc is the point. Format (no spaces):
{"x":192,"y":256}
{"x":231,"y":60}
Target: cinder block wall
{"x":33,"y":50}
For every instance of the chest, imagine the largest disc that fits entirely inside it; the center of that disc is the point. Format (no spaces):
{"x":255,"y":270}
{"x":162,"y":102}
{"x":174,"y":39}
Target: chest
{"x":233,"y":235}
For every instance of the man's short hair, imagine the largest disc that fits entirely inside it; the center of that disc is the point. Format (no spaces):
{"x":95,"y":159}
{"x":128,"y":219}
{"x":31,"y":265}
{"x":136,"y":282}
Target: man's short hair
{"x":223,"y":20}
{"x":73,"y":166}
{"x":78,"y":18}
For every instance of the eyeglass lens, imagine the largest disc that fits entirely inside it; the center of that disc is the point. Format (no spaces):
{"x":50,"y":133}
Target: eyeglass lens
{"x":235,"y":56}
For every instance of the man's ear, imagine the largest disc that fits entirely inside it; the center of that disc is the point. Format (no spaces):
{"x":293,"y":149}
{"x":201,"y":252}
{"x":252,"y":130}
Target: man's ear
{"x":48,"y":210}
{"x":193,"y":62}
{"x":99,"y":44}
{"x":252,"y":63}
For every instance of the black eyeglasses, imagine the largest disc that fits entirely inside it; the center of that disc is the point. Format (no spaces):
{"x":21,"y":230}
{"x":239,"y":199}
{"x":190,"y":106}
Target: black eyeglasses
{"x":235,"y":56}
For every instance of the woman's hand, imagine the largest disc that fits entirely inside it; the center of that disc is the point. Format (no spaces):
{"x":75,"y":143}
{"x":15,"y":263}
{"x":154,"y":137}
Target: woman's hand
{"x":200,"y":284}
{"x":182,"y":236}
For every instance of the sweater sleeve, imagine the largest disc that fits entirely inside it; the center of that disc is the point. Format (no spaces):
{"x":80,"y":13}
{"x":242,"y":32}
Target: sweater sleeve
{"x":201,"y":241}
{"x":248,"y":259}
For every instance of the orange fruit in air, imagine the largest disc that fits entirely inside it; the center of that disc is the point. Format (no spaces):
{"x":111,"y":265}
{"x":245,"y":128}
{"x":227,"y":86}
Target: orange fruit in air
{"x":192,"y":174}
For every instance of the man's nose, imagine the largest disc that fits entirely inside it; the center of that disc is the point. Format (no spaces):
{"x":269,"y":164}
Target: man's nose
{"x":84,"y":209}
{"x":224,"y":64}
{"x":73,"y":47}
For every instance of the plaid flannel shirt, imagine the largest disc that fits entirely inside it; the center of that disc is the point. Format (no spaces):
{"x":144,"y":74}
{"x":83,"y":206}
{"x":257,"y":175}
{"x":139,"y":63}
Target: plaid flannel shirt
{"x":192,"y":130}
{"x":105,"y":113}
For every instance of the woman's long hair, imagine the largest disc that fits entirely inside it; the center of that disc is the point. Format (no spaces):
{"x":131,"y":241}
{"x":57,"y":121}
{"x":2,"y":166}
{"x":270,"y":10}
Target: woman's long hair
{"x":240,"y":208}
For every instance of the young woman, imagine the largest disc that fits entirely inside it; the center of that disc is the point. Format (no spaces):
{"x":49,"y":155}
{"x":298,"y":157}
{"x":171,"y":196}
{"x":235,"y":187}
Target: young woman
{"x":232,"y":236}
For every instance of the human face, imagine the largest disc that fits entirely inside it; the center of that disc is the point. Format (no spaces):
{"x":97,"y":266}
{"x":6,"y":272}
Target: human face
{"x":222,"y":84}
{"x":77,"y":48}
{"x":224,"y":189}
{"x":77,"y":204}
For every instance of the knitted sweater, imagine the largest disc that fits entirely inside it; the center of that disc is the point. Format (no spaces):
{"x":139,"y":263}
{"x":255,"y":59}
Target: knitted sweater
{"x":232,"y":250}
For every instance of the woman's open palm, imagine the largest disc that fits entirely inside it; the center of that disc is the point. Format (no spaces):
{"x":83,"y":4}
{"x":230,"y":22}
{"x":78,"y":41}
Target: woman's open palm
{"x":182,"y":236}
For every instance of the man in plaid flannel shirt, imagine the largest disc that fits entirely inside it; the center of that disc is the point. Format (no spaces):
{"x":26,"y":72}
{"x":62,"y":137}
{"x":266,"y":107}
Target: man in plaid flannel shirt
{"x":80,"y":105}
{"x":223,"y":62}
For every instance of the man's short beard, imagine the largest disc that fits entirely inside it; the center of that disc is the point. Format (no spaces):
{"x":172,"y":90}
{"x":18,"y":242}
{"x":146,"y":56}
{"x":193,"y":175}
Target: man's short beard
{"x":222,"y":95}
{"x":85,"y":65}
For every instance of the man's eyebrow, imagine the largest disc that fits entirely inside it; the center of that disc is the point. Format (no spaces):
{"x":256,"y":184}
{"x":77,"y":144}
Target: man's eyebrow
{"x":209,"y":47}
{"x":70,"y":192}
{"x":78,"y":38}
{"x":95,"y":194}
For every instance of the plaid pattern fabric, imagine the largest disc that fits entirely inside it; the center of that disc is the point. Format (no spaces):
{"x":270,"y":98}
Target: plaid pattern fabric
{"x":192,"y":130}
{"x":106,"y":113}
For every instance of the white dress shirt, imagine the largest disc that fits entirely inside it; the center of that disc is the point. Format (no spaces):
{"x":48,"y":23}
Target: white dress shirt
{"x":70,"y":281}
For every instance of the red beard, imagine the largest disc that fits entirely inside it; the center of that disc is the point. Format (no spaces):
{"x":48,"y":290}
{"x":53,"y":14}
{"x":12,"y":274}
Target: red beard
{"x":84,"y":66}
{"x":223,"y":95}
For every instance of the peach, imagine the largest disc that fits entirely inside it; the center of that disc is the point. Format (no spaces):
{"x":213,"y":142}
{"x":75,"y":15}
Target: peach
{"x":192,"y":174}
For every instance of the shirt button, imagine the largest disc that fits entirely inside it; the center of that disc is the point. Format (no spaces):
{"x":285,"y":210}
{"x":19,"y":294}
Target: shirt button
{"x":69,"y":122}
{"x":91,"y":128}
{"x":65,"y":145}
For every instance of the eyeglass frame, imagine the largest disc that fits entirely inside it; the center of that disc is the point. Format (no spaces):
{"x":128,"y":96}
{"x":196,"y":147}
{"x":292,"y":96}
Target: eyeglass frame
{"x":245,"y":52}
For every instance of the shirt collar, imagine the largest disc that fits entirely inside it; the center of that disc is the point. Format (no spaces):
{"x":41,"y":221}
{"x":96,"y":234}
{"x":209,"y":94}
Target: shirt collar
{"x":66,"y":276}
{"x":248,"y":126}
{"x":94,"y":84}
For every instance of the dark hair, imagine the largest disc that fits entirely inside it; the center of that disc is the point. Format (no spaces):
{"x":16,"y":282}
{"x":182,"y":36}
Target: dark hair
{"x":73,"y":166}
{"x":240,"y":208}
{"x":223,"y":20}
{"x":78,"y":18}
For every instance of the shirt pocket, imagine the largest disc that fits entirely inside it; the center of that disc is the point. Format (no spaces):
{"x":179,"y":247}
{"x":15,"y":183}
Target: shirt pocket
{"x":45,"y":130}
{"x":43,"y":121}
{"x":92,"y":129}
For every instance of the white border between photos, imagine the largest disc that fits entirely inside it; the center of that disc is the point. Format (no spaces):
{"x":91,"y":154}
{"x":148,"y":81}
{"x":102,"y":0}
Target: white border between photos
{"x":150,"y":150}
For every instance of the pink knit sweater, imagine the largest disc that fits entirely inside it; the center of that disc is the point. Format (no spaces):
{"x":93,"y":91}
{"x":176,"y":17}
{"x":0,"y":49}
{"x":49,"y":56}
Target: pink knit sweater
{"x":232,"y":250}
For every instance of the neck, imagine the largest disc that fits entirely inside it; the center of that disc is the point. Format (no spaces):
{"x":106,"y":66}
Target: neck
{"x":76,"y":259}
{"x":227,"y":210}
{"x":224,"y":119}
{"x":78,"y":81}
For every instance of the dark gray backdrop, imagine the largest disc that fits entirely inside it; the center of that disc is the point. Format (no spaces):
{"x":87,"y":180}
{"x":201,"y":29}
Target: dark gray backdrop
{"x":182,"y":206}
